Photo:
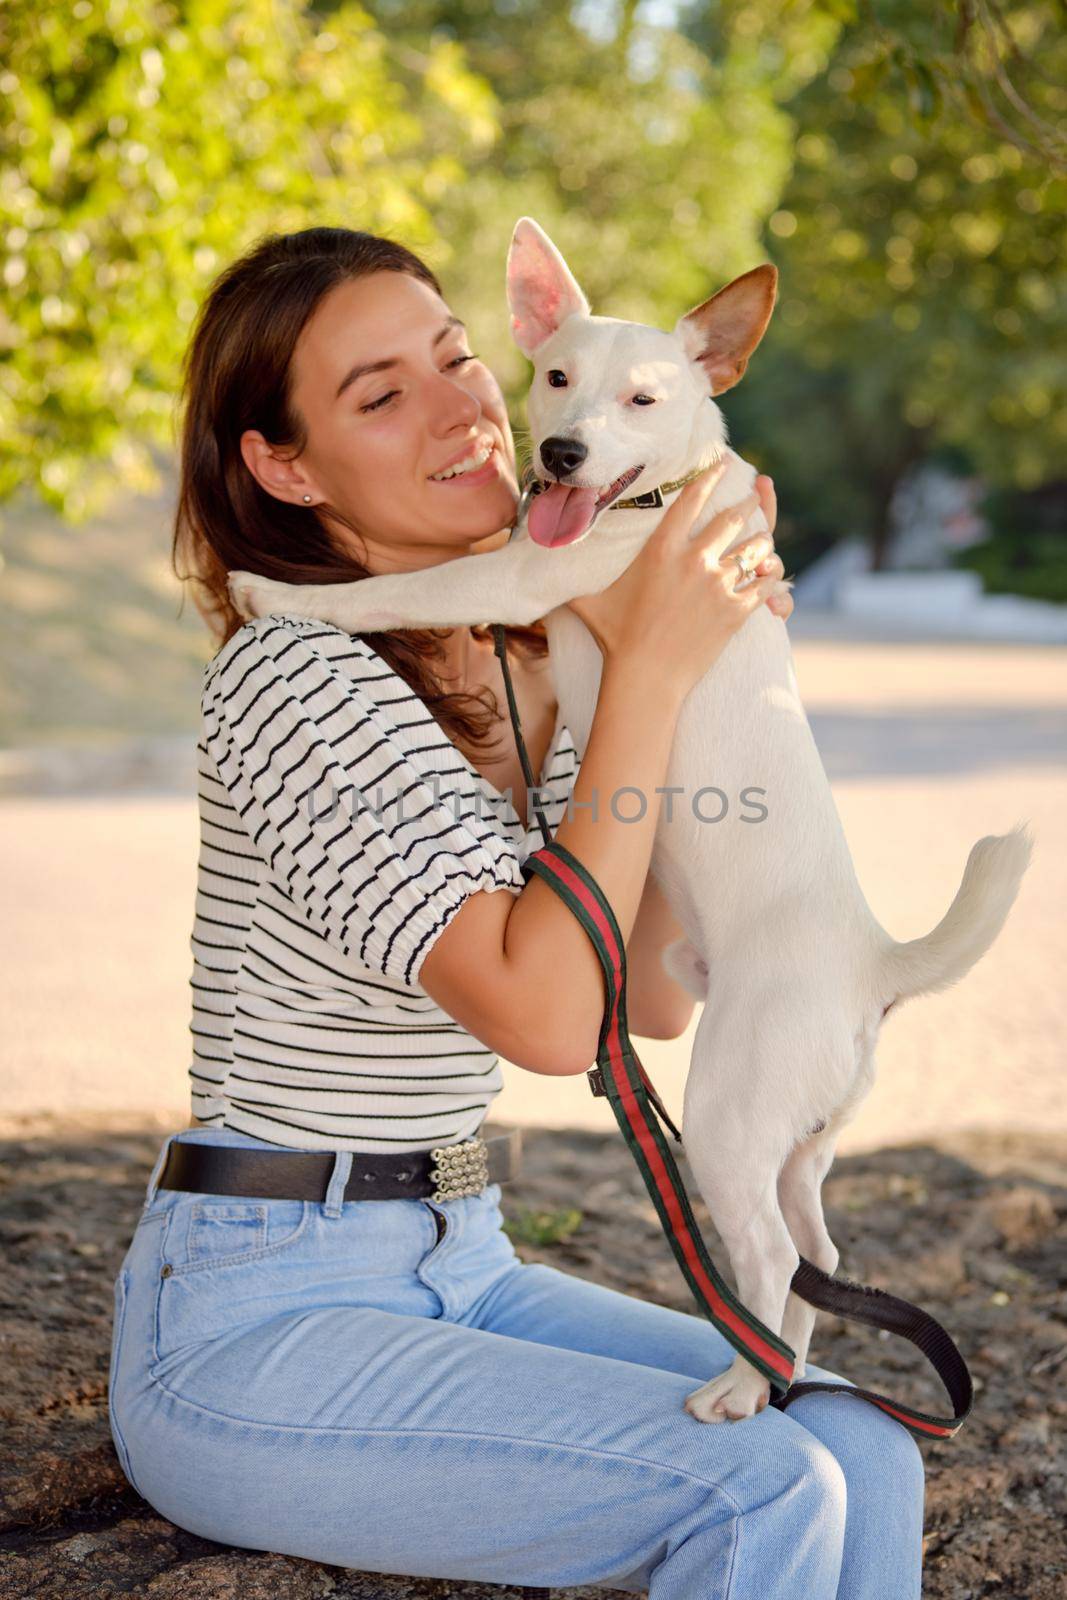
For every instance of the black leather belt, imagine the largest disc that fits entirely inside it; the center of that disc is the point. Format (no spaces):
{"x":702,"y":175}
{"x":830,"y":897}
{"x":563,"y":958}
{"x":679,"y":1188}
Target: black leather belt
{"x":447,"y":1172}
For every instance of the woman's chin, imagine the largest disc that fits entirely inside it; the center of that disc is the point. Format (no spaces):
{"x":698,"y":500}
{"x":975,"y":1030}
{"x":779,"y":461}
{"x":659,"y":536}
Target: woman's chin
{"x":478,"y":513}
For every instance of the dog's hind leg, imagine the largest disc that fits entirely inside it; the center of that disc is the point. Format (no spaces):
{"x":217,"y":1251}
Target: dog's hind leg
{"x":800,"y":1197}
{"x":734,"y":1146}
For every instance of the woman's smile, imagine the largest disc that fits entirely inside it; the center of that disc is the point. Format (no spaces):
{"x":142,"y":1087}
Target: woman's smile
{"x":475,"y":474}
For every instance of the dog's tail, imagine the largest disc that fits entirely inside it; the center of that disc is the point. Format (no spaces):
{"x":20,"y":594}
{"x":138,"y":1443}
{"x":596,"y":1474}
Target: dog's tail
{"x":986,"y":894}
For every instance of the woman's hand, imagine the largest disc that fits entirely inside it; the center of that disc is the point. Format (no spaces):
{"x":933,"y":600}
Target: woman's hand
{"x":677,"y":606}
{"x":780,"y":604}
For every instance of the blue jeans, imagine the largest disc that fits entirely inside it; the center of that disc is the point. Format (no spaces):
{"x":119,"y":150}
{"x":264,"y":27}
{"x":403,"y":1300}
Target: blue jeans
{"x":326,"y":1379}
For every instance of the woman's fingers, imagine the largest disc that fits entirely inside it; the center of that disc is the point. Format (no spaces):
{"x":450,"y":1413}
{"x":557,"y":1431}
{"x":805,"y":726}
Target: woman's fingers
{"x":755,"y":549}
{"x":768,"y":499}
{"x":724,"y":527}
{"x":757,"y":593}
{"x":678,"y":519}
{"x":754,"y":553}
{"x":781,"y":604}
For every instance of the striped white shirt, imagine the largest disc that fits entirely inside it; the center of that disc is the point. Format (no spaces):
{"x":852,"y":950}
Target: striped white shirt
{"x":340,"y":832}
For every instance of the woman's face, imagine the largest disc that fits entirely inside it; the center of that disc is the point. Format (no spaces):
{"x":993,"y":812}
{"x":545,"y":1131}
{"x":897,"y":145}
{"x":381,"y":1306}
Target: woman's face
{"x":376,"y":438}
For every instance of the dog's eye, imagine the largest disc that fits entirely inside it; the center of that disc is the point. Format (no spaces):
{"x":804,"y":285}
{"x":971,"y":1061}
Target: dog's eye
{"x":562,"y":376}
{"x":643,"y":400}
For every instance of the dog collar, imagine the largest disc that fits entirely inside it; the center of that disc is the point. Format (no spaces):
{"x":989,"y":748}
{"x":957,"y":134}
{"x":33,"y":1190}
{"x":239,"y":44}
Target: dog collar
{"x":647,"y":501}
{"x":654,"y":497}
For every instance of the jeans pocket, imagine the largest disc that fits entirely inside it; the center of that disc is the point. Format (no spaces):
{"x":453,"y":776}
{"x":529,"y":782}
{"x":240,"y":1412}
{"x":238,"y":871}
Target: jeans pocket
{"x":118,"y":1324}
{"x":215,"y":1232}
{"x":220,"y":1265}
{"x":221,"y":1228}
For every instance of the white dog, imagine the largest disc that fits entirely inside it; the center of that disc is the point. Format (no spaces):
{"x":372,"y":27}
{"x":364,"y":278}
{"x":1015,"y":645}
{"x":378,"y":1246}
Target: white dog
{"x":795,"y":970}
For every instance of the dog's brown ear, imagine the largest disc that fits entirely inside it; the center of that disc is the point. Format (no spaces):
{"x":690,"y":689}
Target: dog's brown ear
{"x":722,"y":332}
{"x":542,"y":291}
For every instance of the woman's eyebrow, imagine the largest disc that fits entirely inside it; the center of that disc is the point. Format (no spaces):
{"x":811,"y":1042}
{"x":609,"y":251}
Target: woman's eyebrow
{"x":363,"y":367}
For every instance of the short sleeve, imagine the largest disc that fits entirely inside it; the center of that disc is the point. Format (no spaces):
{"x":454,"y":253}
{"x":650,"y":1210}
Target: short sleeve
{"x":319,"y":768}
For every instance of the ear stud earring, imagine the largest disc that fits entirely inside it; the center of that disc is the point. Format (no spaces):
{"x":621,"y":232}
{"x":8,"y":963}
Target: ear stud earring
{"x":307,"y":499}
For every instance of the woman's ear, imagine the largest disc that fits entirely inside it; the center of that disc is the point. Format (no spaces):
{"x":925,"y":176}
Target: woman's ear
{"x":285,"y":480}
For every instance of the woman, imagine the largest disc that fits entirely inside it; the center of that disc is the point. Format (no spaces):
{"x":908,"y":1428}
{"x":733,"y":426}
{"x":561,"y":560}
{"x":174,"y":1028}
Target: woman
{"x":369,"y":1376}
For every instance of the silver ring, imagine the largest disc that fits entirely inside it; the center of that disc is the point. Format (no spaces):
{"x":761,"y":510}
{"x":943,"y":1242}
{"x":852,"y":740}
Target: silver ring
{"x":746,"y":568}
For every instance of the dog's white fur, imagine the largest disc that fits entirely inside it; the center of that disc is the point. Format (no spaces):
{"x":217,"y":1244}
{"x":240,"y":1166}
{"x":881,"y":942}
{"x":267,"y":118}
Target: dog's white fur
{"x":795,"y":970}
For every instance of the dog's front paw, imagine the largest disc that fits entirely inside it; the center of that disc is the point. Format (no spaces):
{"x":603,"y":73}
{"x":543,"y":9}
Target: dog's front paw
{"x":737,"y":1393}
{"x":254,"y":596}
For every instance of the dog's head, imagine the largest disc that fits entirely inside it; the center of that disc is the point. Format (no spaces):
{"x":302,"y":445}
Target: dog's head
{"x":617,"y":408}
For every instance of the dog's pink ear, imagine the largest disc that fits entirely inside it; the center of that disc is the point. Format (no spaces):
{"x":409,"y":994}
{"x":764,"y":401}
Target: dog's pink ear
{"x":722,"y":332}
{"x":542,"y":292}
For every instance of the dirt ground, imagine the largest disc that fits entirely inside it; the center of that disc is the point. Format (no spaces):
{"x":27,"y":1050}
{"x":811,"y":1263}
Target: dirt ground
{"x":971,"y":1226}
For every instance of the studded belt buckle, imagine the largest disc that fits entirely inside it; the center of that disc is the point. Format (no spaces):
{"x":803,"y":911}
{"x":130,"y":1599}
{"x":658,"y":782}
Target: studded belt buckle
{"x":460,"y":1169}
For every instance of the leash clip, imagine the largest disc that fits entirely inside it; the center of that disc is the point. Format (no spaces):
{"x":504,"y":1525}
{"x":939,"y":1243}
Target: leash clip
{"x":532,"y":486}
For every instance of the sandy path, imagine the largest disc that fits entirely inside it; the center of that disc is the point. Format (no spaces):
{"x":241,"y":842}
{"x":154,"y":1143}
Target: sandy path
{"x":929,"y":746}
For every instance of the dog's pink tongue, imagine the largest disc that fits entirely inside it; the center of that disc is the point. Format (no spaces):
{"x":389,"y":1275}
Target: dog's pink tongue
{"x":560,"y":515}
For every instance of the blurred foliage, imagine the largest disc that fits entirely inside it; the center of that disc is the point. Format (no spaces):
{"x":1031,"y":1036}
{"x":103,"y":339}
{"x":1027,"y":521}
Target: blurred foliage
{"x":922,"y":292}
{"x":899,"y":162}
{"x":541,"y":1228}
{"x":981,"y":61}
{"x":613,"y":135}
{"x":1025,"y":551}
{"x":142,"y":145}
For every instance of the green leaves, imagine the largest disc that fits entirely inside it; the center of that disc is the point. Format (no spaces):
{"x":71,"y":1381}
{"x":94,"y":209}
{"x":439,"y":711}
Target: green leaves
{"x":142,"y":146}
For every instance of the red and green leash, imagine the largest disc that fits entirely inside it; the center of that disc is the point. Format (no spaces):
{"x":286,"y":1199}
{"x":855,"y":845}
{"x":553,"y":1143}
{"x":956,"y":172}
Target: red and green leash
{"x":619,"y":1075}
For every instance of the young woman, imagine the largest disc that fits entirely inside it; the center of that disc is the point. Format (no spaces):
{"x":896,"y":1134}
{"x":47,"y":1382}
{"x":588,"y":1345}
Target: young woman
{"x":324,"y":1345}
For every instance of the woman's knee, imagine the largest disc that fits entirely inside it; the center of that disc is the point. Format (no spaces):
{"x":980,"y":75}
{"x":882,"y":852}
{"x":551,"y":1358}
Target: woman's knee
{"x":900,"y":1457}
{"x":887,"y":1437}
{"x":865,"y":1440}
{"x":811,"y":1471}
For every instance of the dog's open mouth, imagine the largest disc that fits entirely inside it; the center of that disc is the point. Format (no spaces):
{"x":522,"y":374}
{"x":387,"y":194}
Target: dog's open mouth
{"x":561,"y":513}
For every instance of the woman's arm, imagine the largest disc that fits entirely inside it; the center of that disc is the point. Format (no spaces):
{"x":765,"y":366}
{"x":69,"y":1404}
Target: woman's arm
{"x":656,"y":1006}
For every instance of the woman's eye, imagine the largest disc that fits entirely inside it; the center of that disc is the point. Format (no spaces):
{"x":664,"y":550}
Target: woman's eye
{"x":562,"y":376}
{"x":376,"y":403}
{"x":643,"y":400}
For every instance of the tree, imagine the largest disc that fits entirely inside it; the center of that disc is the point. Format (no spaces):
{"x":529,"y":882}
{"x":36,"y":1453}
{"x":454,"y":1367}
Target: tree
{"x":922,"y":295}
{"x":143,"y":144}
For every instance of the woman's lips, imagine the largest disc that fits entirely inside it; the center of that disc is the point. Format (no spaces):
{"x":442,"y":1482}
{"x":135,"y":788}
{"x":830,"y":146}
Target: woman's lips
{"x":483,"y":475}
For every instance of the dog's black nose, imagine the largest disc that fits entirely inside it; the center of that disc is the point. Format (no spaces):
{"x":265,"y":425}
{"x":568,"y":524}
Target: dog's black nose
{"x":563,"y":456}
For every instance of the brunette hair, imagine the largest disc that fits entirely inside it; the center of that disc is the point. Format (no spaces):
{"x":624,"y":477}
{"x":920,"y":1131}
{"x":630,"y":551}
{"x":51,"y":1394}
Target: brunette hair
{"x":236,"y":376}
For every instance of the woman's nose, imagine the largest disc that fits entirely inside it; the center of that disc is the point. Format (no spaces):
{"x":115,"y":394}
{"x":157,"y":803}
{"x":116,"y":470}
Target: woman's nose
{"x":453,"y":404}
